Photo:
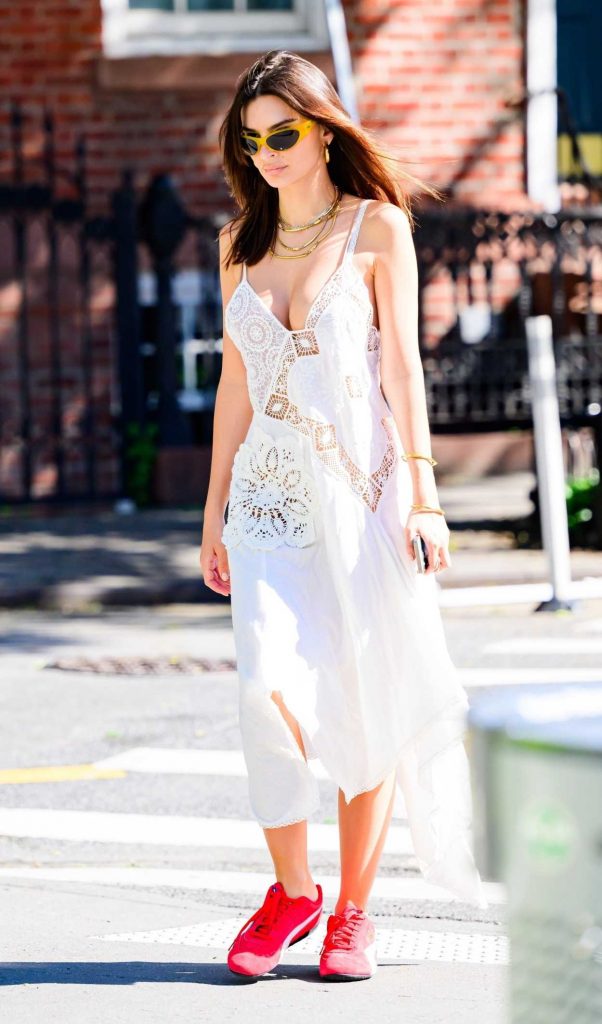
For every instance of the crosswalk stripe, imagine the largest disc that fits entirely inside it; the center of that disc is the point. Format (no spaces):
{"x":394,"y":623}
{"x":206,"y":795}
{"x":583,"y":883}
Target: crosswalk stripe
{"x":253,"y":883}
{"x":185,"y":761}
{"x":167,"y":830}
{"x":514,"y":593}
{"x":546,"y":645}
{"x":516,"y":676}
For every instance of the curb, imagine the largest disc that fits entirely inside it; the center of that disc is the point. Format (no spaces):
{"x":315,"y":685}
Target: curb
{"x":74,"y":597}
{"x":78,"y":596}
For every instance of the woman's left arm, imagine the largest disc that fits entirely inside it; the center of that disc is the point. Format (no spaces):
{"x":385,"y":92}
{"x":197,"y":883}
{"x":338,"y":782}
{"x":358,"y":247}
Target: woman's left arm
{"x":401,"y":371}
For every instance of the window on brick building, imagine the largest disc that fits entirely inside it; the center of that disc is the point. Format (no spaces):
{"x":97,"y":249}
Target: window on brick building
{"x":578,"y":57}
{"x":168,"y":27}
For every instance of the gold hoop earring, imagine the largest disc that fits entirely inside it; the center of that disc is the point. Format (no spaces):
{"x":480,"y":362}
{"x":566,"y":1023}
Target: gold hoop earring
{"x":326,"y":153}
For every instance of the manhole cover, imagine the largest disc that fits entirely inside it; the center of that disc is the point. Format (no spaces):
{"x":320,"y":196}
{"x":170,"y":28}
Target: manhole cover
{"x":136,"y":666}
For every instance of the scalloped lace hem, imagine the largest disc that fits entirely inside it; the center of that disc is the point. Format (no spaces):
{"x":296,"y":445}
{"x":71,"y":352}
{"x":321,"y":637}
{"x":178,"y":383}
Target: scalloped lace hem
{"x":289,"y":821}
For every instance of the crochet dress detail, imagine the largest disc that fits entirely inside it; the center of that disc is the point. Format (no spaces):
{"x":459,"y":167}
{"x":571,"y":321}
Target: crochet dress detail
{"x":271,"y":495}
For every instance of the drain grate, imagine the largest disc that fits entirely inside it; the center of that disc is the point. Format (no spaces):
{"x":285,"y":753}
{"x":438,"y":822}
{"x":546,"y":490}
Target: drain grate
{"x":137,"y":666}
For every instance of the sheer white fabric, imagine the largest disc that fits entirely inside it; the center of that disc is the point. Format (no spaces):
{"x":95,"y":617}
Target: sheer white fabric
{"x":337,"y":620}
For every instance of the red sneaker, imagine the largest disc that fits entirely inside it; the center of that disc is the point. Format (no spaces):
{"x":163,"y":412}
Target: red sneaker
{"x":278,"y":924}
{"x":349,"y":948}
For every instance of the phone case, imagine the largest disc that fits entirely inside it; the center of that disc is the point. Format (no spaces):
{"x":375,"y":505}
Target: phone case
{"x":421,"y":553}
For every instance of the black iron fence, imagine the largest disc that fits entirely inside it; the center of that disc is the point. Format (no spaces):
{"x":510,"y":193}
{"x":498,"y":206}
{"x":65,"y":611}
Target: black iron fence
{"x":111,"y":329}
{"x":58,"y":429}
{"x":498,"y":269}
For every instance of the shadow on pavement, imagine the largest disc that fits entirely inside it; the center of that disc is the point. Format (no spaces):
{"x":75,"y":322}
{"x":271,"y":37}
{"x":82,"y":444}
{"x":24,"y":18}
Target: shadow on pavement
{"x":31,"y":640}
{"x":128,"y":972}
{"x":132,"y":972}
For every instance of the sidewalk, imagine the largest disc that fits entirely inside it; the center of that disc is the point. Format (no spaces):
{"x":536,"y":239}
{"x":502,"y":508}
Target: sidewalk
{"x":127,"y":955}
{"x":104,"y":559}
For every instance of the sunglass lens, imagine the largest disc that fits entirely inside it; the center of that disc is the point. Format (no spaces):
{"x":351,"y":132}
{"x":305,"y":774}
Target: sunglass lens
{"x":249,"y":145}
{"x":283,"y":140}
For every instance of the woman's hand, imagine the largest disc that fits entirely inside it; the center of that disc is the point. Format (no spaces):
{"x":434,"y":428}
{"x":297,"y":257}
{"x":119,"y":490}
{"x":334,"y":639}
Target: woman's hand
{"x":214,"y":557}
{"x":435,"y":532}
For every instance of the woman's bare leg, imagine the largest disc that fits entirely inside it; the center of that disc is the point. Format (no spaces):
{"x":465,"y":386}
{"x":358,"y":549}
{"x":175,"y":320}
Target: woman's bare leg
{"x":288,"y":850}
{"x":288,"y":844}
{"x":363,"y":827}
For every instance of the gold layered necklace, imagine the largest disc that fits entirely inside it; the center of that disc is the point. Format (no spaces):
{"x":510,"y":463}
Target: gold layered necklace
{"x":325,"y":219}
{"x":316,"y":220}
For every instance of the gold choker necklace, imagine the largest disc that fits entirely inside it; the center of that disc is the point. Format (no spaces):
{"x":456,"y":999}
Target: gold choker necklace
{"x":326,"y":212}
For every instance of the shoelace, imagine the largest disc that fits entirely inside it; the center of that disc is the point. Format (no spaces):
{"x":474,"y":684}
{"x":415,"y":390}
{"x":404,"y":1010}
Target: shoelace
{"x":342,"y":934}
{"x":269,"y":913}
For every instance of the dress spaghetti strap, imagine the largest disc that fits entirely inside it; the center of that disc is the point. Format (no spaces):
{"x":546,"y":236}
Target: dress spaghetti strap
{"x":355,"y":230}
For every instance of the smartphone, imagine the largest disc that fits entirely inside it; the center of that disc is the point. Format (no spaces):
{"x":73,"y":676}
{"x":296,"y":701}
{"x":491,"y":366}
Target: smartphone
{"x":420,"y":553}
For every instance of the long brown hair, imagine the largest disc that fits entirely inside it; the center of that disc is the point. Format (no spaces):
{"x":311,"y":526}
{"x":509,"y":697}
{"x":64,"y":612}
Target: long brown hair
{"x":358,"y":165}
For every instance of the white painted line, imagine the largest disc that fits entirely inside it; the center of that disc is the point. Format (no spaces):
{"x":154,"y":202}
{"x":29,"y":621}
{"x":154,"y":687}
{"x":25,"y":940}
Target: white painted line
{"x":167,"y":830}
{"x":174,"y":761}
{"x":192,"y":761}
{"x":239,"y":882}
{"x":471,"y":677}
{"x":546,"y":645}
{"x":391,"y":943}
{"x":514,"y":593}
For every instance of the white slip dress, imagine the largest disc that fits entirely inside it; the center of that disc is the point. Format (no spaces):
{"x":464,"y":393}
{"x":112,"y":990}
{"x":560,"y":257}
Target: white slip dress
{"x":328,"y":609}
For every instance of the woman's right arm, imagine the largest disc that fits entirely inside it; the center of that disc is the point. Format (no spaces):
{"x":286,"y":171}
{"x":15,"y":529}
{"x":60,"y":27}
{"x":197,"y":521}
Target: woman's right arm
{"x":231,"y":420}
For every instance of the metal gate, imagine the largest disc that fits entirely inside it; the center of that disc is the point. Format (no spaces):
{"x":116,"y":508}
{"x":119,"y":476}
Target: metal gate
{"x":104,"y":358}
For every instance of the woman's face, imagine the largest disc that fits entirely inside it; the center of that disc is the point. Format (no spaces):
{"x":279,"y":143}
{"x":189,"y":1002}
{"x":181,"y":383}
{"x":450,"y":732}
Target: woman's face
{"x":282,"y":168}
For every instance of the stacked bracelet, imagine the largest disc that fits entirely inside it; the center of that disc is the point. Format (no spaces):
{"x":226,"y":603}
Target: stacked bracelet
{"x":433,"y":462}
{"x":416,"y":455}
{"x":427,"y":508}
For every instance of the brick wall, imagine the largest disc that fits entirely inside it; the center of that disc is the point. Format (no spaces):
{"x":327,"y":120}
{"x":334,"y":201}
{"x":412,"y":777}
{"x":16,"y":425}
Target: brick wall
{"x":435,"y":79}
{"x":54,"y":56}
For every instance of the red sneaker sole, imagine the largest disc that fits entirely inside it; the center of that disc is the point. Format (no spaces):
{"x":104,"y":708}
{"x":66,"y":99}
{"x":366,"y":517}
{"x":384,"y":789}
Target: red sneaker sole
{"x":346,"y":977}
{"x":252,"y":974}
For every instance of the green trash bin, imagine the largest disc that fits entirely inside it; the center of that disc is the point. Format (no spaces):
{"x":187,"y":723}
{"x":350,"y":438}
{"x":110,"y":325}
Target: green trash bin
{"x":536,"y":775}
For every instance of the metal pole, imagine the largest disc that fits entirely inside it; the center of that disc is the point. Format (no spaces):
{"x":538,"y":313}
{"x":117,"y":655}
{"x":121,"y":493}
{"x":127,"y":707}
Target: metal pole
{"x":542,"y":112}
{"x":132,"y":399}
{"x":341,"y":55}
{"x":551,"y":482}
{"x":133,"y":405}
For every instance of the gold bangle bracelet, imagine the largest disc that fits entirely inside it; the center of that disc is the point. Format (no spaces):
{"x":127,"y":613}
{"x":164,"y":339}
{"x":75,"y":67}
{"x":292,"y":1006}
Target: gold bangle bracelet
{"x":416,"y":455}
{"x":426,"y":508}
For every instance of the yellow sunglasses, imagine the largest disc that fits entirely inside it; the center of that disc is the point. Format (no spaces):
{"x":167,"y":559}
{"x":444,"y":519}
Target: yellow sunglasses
{"x":279,"y":140}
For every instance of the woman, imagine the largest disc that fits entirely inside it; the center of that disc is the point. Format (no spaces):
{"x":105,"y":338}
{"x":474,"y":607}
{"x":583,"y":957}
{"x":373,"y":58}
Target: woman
{"x":321,"y":454}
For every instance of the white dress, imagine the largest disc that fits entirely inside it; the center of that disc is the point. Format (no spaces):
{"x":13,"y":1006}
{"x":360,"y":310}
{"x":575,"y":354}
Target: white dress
{"x":327,"y":605}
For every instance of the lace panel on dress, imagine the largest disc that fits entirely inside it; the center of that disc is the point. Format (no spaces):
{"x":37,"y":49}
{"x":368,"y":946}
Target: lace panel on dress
{"x":322,"y":435}
{"x":373,"y":339}
{"x":260,"y":341}
{"x":272,"y":497}
{"x":355,"y":387}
